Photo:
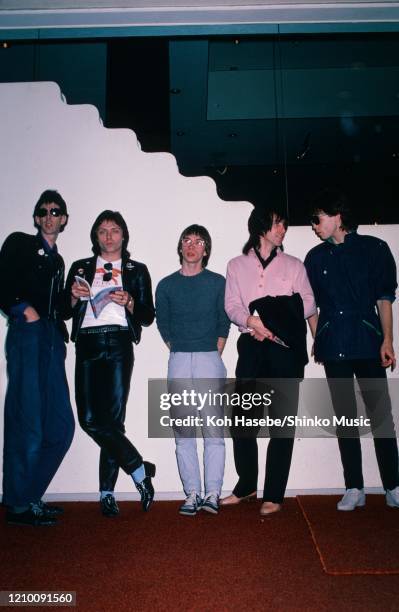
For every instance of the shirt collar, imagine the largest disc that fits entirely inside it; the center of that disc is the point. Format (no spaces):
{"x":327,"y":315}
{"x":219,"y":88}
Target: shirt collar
{"x":252,"y":251}
{"x":268,"y":260}
{"x":347,"y":239}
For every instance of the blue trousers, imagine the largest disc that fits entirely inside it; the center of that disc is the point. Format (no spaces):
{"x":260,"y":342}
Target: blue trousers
{"x":38,"y":418}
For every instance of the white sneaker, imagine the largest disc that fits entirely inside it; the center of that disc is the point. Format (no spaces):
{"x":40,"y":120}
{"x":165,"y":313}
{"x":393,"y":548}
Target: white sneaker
{"x":352,"y":499}
{"x":392,"y":497}
{"x":191,"y":505}
{"x":211,"y":503}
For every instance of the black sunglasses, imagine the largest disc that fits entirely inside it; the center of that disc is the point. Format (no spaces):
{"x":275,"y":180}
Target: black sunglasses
{"x":315,"y":220}
{"x":108,"y":275}
{"x":54,"y":212}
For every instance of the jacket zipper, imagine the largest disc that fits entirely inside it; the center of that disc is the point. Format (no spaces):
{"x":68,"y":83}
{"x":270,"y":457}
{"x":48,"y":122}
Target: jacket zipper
{"x":51,"y":298}
{"x":326,"y":324}
{"x":371,"y":326}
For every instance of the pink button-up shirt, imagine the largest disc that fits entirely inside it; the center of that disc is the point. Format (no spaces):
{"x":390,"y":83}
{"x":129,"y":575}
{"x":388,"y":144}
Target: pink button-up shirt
{"x":246,"y":280}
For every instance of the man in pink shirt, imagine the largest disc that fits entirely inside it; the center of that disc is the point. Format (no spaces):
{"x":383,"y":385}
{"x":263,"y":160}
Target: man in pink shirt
{"x":264,"y":270}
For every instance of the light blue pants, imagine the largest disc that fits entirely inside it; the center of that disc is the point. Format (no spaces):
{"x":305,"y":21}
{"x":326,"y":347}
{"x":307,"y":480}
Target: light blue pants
{"x":204,"y":366}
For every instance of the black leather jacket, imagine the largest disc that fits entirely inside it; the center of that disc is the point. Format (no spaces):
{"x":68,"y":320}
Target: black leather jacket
{"x":135,"y":279}
{"x":30,"y":275}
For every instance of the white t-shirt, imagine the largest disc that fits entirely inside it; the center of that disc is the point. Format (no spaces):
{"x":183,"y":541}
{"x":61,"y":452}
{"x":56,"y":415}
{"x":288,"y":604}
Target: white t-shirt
{"x":112,"y":314}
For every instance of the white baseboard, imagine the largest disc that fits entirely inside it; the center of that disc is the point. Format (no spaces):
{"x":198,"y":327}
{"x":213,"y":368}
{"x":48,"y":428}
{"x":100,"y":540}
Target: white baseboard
{"x":178,"y":495}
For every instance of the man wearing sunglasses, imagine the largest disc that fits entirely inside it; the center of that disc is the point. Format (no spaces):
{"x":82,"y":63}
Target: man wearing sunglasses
{"x":354,"y":281}
{"x":109,"y":306}
{"x":192,"y":322}
{"x":38,"y":421}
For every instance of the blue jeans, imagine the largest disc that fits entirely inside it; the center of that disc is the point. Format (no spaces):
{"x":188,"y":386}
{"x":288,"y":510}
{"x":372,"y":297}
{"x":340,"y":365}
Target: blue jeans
{"x":38,"y":418}
{"x":203,"y":365}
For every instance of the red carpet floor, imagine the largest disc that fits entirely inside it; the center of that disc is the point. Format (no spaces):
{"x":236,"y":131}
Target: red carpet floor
{"x":361,"y":542}
{"x":162,"y":561}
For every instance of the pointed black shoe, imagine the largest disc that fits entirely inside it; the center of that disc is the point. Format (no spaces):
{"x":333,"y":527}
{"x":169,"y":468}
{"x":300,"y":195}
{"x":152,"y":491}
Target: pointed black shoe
{"x":145,"y":487}
{"x":33,"y":517}
{"x":109,"y":507}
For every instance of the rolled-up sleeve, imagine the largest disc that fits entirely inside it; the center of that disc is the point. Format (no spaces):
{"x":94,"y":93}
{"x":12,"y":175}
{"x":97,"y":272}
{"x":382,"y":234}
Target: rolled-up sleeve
{"x":303,"y":287}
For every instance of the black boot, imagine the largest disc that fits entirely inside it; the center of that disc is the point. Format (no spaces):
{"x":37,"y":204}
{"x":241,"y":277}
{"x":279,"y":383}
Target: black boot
{"x":108,"y":506}
{"x":145,"y":487}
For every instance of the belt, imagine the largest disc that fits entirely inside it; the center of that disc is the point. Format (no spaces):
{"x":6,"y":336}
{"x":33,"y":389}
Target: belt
{"x":103,"y":329}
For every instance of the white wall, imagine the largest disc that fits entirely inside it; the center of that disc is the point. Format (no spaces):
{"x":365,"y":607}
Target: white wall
{"x":46,"y":143}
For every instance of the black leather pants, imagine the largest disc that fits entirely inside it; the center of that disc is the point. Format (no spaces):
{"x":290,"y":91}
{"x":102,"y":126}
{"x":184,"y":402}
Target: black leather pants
{"x":104,"y":364}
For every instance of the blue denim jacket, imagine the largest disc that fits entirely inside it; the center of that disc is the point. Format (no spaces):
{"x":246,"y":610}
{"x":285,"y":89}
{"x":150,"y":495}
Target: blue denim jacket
{"x":347,"y":280}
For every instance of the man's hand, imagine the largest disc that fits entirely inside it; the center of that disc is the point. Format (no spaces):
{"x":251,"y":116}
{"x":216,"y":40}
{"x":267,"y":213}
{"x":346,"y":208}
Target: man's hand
{"x":123,"y":298}
{"x":387,"y":353}
{"x":78,"y":291}
{"x":258,"y":330}
{"x":221,"y":344}
{"x":31,"y":314}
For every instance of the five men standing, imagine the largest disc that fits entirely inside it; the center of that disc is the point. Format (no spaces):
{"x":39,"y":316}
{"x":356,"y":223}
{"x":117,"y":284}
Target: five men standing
{"x":109,"y":298}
